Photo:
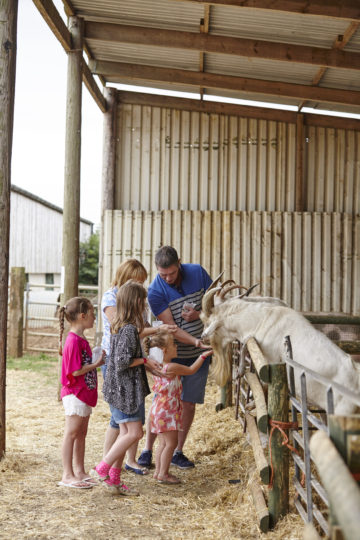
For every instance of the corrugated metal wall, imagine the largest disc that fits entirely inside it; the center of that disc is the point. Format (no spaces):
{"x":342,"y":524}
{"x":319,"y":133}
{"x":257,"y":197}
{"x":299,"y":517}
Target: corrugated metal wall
{"x":169,"y":159}
{"x":311,"y":260}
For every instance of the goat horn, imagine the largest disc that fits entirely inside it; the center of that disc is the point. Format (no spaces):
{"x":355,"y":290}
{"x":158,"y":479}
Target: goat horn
{"x":224,"y":292}
{"x":249,"y":290}
{"x":215,"y":282}
{"x":208,"y":301}
{"x":228,"y":282}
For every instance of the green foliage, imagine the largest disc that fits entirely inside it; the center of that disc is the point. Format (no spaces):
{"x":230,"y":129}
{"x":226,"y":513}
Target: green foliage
{"x":29,"y":362}
{"x":89,"y":260}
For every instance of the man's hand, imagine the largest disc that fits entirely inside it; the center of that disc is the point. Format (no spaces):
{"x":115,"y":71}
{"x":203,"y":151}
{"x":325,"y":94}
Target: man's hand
{"x":189,"y":313}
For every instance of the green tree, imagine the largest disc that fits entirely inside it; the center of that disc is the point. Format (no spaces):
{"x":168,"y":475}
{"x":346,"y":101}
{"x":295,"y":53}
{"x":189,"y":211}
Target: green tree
{"x":89,"y":260}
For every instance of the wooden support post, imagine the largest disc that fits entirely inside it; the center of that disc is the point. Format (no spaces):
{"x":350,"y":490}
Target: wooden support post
{"x":299,"y":163}
{"x":342,"y":490}
{"x":226,"y":390}
{"x":278,"y":410}
{"x":71,"y":215}
{"x":259,"y":456}
{"x":8,"y":21}
{"x":344,"y":432}
{"x":108,"y":178}
{"x":16,"y":311}
{"x":257,"y":357}
{"x":262,"y":511}
{"x":260,"y":403}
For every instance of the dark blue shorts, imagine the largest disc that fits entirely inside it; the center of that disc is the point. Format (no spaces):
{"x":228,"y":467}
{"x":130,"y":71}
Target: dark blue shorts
{"x":194,"y":385}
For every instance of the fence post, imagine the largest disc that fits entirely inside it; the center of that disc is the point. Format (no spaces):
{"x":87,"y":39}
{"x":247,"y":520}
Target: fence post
{"x":344,"y":431}
{"x":278,"y":410}
{"x":16,"y":311}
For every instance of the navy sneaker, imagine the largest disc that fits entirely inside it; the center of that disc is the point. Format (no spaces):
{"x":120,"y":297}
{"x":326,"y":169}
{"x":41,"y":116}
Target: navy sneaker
{"x":181,"y":461}
{"x":144,"y":459}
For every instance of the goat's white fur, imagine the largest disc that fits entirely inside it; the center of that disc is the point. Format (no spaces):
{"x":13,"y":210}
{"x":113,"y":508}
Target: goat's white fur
{"x":269,"y":320}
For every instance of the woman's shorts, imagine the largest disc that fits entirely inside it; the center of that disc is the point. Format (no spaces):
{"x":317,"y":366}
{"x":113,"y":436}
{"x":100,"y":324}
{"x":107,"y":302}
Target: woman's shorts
{"x":194,"y":385}
{"x":73,"y":405}
{"x":119,"y":417}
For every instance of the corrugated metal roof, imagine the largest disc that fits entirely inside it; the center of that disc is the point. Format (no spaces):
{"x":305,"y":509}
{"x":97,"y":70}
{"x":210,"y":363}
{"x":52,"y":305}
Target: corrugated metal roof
{"x":275,"y":26}
{"x":256,"y":68}
{"x":145,"y":54}
{"x":228,"y":21}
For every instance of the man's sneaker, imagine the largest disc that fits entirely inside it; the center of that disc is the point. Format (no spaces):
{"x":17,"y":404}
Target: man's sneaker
{"x":145,"y":458}
{"x":181,"y":461}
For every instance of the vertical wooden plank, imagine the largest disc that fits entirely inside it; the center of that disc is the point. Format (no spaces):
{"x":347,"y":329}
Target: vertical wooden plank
{"x":336,"y":241}
{"x":305,"y":273}
{"x":127,"y":237}
{"x":176,"y":226}
{"x":144,"y":165}
{"x":8,"y":17}
{"x":349,"y":172}
{"x":317,"y":237}
{"x":289,"y":172}
{"x":206,"y":255}
{"x":357,"y":174}
{"x":272,"y":169}
{"x":137,"y":235}
{"x":187,"y":234}
{"x":277,"y":233}
{"x":255,"y":268}
{"x":266,"y":253}
{"x":299,"y":163}
{"x":355,"y":297}
{"x":262,"y":166}
{"x":326,"y":256}
{"x":173,"y":180}
{"x":298,"y":256}
{"x":235,"y":247}
{"x":184,"y":161}
{"x":158,"y":226}
{"x":221,"y":177}
{"x":136,"y":142}
{"x":346,"y":263}
{"x":117,"y":246}
{"x":311,"y":153}
{"x":329,"y":170}
{"x":340,"y":170}
{"x":213,"y":162}
{"x":204,"y":164}
{"x":197,"y":243}
{"x":108,"y":249}
{"x":226,"y":244}
{"x":196,"y":164}
{"x":246,"y":245}
{"x":155,"y":159}
{"x":166,"y":236}
{"x":166,"y":146}
{"x":252,"y":165}
{"x":232,"y":159}
{"x":124,"y":159}
{"x":320,"y":159}
{"x":286,"y":258}
{"x":243,"y":172}
{"x":16,"y":311}
{"x":147,"y":248}
{"x":216,"y":245}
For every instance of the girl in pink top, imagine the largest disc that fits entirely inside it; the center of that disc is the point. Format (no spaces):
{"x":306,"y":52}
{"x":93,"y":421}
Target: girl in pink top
{"x":79,"y":389}
{"x":166,"y":408}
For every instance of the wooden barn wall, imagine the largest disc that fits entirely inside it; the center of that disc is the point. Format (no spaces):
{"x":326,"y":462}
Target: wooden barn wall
{"x":36,"y":235}
{"x":332,"y":170}
{"x":170,"y":159}
{"x":310,"y":259}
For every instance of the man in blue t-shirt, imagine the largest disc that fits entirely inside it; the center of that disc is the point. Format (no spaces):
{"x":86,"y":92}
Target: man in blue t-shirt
{"x":175,"y":298}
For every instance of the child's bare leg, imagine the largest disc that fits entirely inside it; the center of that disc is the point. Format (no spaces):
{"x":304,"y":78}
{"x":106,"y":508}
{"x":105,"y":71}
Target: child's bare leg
{"x":117,"y":452}
{"x":170,"y":441}
{"x":73,"y":426}
{"x":110,"y":437}
{"x":159,"y":451}
{"x":79,"y":450}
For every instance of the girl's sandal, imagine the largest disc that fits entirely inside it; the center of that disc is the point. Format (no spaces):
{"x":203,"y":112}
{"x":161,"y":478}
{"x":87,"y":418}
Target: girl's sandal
{"x":169,"y":480}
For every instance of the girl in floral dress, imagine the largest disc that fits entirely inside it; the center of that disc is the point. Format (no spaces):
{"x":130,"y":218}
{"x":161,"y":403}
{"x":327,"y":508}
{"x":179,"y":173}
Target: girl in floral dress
{"x":166,"y":408}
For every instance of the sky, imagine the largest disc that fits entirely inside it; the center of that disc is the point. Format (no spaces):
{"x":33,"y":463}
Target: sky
{"x":38,"y":154}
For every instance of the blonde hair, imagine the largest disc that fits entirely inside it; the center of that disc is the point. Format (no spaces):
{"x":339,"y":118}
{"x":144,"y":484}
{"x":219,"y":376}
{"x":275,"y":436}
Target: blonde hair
{"x":130,"y":305}
{"x":129,"y":269}
{"x":160,"y":340}
{"x":70,"y":311}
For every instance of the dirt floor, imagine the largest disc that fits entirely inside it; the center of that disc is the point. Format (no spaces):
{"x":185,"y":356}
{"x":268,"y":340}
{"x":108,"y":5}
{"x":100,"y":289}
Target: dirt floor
{"x":204,"y":506}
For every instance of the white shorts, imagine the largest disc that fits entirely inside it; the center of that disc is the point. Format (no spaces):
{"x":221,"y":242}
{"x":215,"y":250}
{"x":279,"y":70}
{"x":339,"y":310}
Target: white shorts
{"x":73,"y":405}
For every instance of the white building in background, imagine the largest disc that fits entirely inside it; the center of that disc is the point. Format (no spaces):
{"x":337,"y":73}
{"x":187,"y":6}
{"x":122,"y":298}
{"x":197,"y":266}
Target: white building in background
{"x":36,"y":236}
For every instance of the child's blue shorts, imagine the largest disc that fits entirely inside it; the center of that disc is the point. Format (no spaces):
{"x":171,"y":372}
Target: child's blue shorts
{"x":119,"y":417}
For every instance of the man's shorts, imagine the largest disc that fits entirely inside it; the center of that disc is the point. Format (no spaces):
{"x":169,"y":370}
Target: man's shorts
{"x":194,"y":385}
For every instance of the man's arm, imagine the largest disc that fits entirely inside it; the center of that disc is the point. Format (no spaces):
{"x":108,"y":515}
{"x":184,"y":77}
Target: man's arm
{"x":180,"y":335}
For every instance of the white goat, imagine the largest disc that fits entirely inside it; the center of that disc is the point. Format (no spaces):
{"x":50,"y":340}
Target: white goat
{"x":269,"y":320}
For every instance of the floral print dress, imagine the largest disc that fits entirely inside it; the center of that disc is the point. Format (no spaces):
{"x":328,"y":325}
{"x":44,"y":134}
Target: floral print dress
{"x":166,"y":408}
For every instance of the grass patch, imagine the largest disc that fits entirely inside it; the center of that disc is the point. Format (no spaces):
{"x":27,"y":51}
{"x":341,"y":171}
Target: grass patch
{"x":40,"y":363}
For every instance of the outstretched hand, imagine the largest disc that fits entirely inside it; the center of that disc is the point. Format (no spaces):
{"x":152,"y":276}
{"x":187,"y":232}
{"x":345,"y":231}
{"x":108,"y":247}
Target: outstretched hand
{"x":201,"y":344}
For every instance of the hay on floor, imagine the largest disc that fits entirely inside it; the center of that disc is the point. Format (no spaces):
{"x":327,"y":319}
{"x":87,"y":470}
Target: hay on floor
{"x":204,"y":506}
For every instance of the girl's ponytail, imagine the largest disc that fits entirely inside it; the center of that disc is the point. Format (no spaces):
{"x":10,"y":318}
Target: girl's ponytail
{"x":146,"y":345}
{"x":61,"y":324}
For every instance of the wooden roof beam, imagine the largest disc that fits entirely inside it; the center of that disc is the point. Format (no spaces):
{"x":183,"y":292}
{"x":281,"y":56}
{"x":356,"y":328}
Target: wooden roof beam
{"x":341,"y":9}
{"x":60,"y":30}
{"x":209,"y":43}
{"x":118,"y":72}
